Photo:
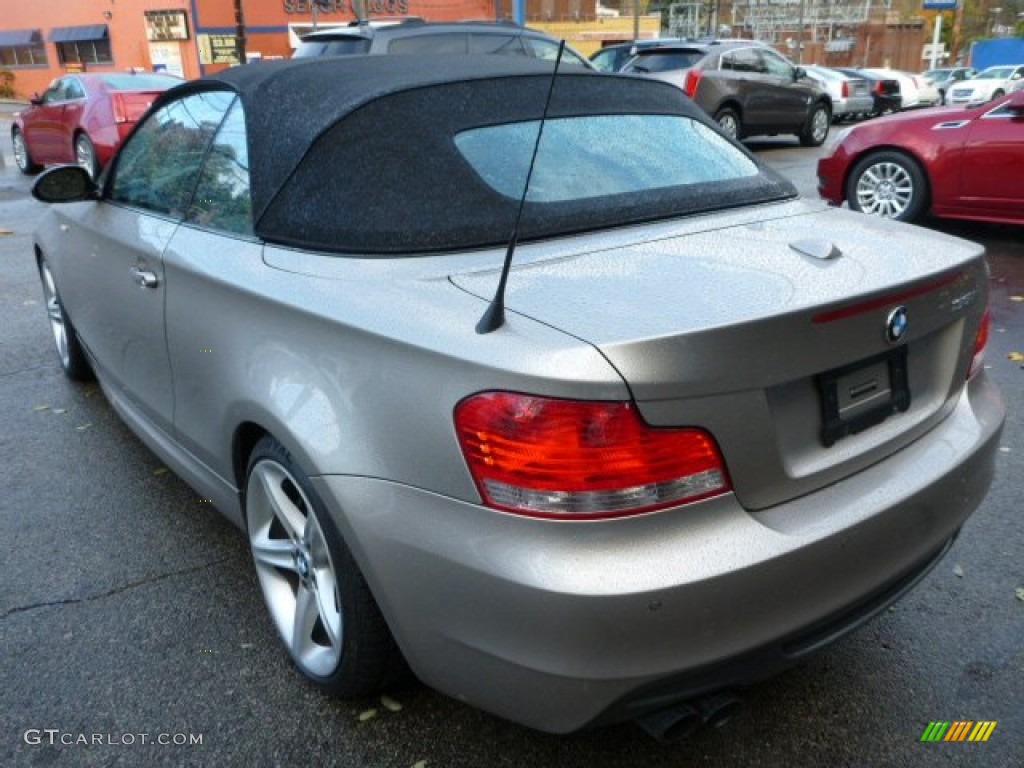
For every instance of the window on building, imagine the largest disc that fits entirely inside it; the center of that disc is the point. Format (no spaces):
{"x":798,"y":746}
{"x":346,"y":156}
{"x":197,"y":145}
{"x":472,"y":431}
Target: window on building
{"x":88,"y":44}
{"x":22,"y":48}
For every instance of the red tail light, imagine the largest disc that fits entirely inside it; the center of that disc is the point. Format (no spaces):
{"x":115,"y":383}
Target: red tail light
{"x":878,"y":88}
{"x":980,"y":342}
{"x":846,"y":89}
{"x":120,"y":113}
{"x":574,"y":459}
{"x":693,"y":75}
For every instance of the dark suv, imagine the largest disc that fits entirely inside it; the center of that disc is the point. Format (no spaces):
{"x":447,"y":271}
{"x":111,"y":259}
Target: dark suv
{"x":746,"y":86}
{"x":418,"y":36}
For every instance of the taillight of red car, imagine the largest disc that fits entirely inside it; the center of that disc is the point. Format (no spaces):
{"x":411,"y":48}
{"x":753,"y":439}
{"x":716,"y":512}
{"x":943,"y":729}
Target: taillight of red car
{"x":693,"y":75}
{"x":580,"y":459}
{"x":980,"y":342}
{"x":129,"y":106}
{"x":117,"y":104}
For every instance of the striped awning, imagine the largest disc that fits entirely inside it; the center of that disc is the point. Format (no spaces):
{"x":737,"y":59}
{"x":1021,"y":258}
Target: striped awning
{"x":77,"y":34}
{"x":12,"y":37}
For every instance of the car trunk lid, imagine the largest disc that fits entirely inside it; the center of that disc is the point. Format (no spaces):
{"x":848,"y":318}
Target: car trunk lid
{"x":773,"y":338}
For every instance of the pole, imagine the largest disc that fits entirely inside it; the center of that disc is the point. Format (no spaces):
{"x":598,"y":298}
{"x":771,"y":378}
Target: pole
{"x":935,"y":39}
{"x":800,"y":36}
{"x":636,"y":19}
{"x":239,"y":32}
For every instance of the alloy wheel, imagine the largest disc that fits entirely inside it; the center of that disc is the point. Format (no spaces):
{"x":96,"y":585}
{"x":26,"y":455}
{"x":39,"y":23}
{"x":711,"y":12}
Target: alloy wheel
{"x":85,"y":154}
{"x":56,"y":314}
{"x":20,"y":151}
{"x":295,"y":569}
{"x":728,"y":123}
{"x":819,"y":126}
{"x":885,"y":189}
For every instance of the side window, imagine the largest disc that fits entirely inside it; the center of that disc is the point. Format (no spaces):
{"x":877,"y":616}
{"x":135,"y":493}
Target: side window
{"x":448,"y":42}
{"x":744,"y":60}
{"x":506,"y":45}
{"x":776,"y":65}
{"x":222,"y":198}
{"x":54,"y":93}
{"x":74,"y":89}
{"x":548,"y":50}
{"x":157,"y":169}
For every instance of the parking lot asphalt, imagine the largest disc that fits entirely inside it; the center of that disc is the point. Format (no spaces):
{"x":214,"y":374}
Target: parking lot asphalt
{"x":129,"y":612}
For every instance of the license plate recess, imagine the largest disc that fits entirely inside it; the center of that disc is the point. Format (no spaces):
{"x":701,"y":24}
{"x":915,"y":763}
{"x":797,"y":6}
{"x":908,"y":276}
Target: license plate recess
{"x":858,"y":396}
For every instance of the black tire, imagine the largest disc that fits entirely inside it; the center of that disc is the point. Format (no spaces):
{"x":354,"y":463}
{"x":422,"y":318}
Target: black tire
{"x":999,"y":93}
{"x":85,"y":155}
{"x":73,"y":359}
{"x":889,"y":184}
{"x":815,"y":129}
{"x":729,"y":121}
{"x":22,"y":155}
{"x":361,"y":657}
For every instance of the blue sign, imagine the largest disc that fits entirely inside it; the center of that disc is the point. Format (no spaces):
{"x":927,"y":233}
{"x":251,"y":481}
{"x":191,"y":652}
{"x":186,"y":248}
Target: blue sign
{"x":939,"y":5}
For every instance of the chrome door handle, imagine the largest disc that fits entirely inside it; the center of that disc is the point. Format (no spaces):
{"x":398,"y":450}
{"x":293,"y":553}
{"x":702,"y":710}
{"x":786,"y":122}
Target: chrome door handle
{"x":144,"y":277}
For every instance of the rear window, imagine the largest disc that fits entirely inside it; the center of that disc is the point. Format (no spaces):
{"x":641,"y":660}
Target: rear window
{"x":335,"y":47}
{"x":442,"y":168}
{"x":663,"y":61}
{"x":141,"y":82}
{"x":600,"y":155}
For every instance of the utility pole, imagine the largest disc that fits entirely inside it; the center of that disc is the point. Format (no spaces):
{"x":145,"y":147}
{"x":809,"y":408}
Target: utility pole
{"x":800,"y":36}
{"x":239,"y":32}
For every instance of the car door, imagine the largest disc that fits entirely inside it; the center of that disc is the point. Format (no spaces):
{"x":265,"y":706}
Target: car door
{"x":742,"y":76}
{"x":69,"y":119}
{"x":788,"y":99}
{"x":993,"y":162}
{"x":124,"y":237}
{"x":43,"y":123}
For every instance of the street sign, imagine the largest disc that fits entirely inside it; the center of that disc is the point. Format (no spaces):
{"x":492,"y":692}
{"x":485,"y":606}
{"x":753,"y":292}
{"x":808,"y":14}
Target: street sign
{"x":939,"y":5}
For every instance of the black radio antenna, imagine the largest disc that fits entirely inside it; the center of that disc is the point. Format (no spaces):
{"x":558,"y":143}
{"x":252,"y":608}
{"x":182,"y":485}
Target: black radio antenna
{"x":494,"y":317}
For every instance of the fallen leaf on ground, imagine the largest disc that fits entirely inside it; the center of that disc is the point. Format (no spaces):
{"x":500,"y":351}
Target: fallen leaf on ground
{"x":41,"y":408}
{"x":160,"y":471}
{"x":420,"y":764}
{"x":1017,"y":357}
{"x":958,"y":570}
{"x":1020,"y":593}
{"x":6,"y":231}
{"x":60,"y":410}
{"x":248,"y":645}
{"x":367,"y":715}
{"x":83,"y":427}
{"x":1017,"y":298}
{"x":390,"y":704}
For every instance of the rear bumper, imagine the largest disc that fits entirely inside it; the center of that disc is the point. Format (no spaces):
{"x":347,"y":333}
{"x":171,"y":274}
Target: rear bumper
{"x":560,"y":625}
{"x":852,"y":105}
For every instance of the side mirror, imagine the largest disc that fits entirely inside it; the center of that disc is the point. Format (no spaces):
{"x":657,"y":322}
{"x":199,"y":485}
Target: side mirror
{"x":36,"y":99}
{"x":799,"y":73}
{"x":65,"y":184}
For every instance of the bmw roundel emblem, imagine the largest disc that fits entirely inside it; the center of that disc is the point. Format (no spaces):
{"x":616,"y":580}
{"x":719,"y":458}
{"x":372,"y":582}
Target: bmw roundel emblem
{"x":896,"y":325}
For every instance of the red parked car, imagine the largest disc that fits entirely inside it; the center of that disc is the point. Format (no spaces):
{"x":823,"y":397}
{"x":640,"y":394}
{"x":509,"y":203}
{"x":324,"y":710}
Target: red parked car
{"x":82,"y":118}
{"x":956,"y":163}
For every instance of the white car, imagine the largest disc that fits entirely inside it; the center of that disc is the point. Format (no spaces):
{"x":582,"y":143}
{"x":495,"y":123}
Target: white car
{"x":916,"y":90}
{"x":988,"y":84}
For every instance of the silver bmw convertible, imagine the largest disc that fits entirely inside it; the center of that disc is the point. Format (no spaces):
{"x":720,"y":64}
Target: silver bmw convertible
{"x":528,"y":381}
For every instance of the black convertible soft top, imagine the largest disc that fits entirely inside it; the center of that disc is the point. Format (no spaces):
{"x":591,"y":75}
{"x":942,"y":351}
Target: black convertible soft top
{"x":357,"y":153}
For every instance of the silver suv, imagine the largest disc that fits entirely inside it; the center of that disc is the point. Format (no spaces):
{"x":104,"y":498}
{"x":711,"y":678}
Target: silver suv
{"x":418,"y":36}
{"x":746,"y":86}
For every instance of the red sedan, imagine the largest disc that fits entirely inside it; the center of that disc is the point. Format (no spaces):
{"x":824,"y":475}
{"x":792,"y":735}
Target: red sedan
{"x":956,"y":163}
{"x":82,"y":118}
